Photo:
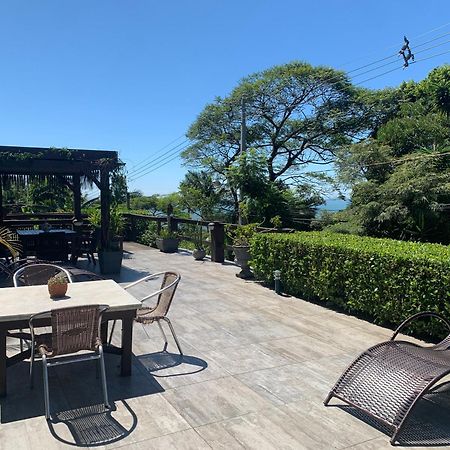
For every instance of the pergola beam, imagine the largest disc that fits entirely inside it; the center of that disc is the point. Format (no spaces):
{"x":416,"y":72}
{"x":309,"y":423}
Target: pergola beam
{"x":95,"y":165}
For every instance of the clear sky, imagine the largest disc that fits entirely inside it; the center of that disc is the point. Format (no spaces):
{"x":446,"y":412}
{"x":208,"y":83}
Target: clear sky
{"x":133,"y":75}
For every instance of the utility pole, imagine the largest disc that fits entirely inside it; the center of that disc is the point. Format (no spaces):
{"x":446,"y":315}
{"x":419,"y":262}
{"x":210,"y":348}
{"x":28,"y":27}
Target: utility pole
{"x":242,"y":151}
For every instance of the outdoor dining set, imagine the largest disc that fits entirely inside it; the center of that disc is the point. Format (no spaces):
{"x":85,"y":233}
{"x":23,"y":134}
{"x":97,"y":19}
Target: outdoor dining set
{"x":74,"y":327}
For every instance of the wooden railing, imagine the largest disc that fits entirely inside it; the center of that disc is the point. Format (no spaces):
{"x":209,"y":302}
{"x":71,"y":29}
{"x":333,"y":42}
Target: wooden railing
{"x":217,"y":239}
{"x":31,"y":221}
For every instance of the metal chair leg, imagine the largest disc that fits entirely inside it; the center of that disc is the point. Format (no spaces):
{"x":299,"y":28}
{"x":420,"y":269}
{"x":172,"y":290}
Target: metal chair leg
{"x":46,"y":390}
{"x":173,"y":334}
{"x":112,"y":331}
{"x":166,"y":343}
{"x":103,"y":372}
{"x":32,"y":367}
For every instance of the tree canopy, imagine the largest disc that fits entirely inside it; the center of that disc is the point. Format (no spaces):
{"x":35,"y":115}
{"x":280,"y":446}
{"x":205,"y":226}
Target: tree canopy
{"x":400,"y":178}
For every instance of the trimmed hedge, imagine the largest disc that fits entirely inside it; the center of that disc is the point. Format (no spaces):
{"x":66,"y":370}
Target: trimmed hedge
{"x":384,"y":279}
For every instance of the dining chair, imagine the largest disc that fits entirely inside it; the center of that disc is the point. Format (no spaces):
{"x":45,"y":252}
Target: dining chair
{"x":148,"y":314}
{"x":33,"y":275}
{"x":74,"y":329}
{"x":36,"y":274}
{"x":89,"y":244}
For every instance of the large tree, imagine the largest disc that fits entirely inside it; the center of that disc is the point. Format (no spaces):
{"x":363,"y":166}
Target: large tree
{"x":296,"y":113}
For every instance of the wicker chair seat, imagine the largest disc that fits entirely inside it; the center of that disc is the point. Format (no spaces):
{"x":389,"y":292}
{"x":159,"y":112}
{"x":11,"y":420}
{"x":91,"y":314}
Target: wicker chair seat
{"x":145,"y":315}
{"x":389,"y":378}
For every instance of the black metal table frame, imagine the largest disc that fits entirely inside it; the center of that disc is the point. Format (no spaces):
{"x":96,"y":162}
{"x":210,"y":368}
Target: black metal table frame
{"x":126,"y":316}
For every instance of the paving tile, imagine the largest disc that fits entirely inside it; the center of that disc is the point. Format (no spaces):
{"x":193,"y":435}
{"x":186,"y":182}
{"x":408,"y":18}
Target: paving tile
{"x":214,"y":400}
{"x":183,"y":440}
{"x":302,"y":347}
{"x":266,"y":429}
{"x":247,"y":358}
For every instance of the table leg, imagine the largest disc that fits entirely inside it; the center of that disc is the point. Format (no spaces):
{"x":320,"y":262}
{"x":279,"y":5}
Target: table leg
{"x":104,"y":332}
{"x":127,"y":342}
{"x":3,"y":362}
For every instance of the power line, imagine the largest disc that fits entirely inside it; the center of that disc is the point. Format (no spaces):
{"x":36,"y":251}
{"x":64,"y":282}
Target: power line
{"x":174,"y":151}
{"x":329,"y":170}
{"x":396,"y":45}
{"x":143,"y":166}
{"x":156,"y":160}
{"x":429,"y":57}
{"x":172,"y":155}
{"x":382,"y":163}
{"x":135,"y":167}
{"x":159,"y":166}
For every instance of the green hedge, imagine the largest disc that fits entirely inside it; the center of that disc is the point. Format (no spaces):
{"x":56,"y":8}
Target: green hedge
{"x":384,"y":279}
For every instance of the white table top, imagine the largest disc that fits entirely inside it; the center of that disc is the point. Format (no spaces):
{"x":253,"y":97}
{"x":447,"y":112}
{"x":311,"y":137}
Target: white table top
{"x":22,"y":302}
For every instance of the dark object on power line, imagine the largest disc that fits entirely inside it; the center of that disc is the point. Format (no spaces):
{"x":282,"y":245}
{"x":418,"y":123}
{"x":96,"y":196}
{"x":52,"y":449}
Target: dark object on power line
{"x":405,"y":51}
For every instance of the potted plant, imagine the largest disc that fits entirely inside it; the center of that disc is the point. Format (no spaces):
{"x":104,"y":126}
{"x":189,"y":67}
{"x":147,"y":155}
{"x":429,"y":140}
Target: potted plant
{"x":241,"y":236}
{"x":110,"y":254}
{"x":199,"y":252}
{"x":57,"y":286}
{"x":167,"y":241}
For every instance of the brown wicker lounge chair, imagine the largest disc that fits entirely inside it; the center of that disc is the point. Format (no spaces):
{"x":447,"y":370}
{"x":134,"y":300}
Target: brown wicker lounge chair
{"x":74,"y":329}
{"x":155,"y":313}
{"x":388,"y":379}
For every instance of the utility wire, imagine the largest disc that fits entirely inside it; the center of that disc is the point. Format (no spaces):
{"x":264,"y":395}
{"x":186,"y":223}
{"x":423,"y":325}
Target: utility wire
{"x":158,"y":167}
{"x":155,"y":160}
{"x":381,"y":163}
{"x":136,"y":166}
{"x":319,"y":171}
{"x":172,"y":155}
{"x":395,"y":46}
{"x":429,"y":57}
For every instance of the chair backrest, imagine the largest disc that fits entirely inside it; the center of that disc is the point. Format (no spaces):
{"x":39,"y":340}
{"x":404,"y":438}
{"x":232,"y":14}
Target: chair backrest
{"x":169,"y":285}
{"x":165,"y":293}
{"x":36,"y":274}
{"x":76,"y":329}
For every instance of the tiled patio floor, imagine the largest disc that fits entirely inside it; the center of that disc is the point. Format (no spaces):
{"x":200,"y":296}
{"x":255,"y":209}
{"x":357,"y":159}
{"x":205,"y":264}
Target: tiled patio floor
{"x":256,"y":371}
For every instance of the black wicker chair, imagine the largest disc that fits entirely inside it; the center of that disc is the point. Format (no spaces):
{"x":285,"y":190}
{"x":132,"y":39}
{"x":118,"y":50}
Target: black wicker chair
{"x":388,"y":379}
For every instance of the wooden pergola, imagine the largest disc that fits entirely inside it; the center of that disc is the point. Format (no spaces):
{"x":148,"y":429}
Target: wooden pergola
{"x":69,"y":166}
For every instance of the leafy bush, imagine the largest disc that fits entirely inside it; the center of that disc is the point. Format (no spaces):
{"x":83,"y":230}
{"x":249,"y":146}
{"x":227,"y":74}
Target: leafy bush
{"x":384,"y":279}
{"x":148,"y":237}
{"x":165,"y":233}
{"x":241,"y":235}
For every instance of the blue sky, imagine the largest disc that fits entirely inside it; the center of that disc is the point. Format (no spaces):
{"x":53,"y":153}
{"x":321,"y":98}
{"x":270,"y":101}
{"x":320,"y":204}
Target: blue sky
{"x":133,"y":75}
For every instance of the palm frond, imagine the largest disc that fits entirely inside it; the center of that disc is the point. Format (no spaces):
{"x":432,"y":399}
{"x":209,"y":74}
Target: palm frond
{"x":7,"y":241}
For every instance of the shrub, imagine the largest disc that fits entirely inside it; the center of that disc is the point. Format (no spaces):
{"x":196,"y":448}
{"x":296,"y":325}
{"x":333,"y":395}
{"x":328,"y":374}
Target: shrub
{"x":384,"y":279}
{"x":148,"y":237}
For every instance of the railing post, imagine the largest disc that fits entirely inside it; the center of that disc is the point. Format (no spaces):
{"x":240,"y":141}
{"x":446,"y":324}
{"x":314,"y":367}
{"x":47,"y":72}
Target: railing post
{"x":133,"y":232}
{"x":172,"y":224}
{"x":217,"y":237}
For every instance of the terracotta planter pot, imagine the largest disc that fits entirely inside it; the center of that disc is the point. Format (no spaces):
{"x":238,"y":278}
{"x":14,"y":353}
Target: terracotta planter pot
{"x":57,"y":290}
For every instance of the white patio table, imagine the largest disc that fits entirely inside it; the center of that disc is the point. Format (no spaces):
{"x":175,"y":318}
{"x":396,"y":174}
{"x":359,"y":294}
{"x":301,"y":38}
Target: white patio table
{"x":17,"y":305}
